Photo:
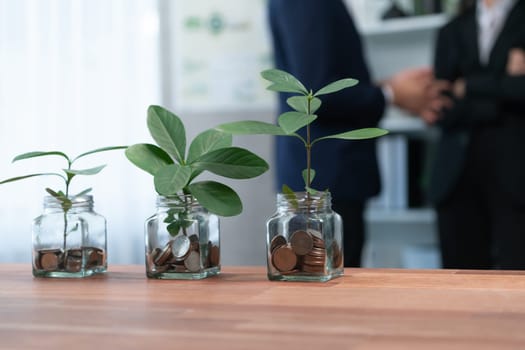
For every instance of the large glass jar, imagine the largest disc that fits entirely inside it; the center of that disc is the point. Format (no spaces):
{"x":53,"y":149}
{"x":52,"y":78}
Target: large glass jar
{"x":304,"y":239}
{"x":182,"y":240}
{"x":69,"y":242}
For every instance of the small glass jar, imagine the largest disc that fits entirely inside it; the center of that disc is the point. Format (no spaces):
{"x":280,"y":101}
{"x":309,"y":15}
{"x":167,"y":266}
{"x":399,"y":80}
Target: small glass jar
{"x":69,"y":242}
{"x":182,"y":240}
{"x":304,"y":239}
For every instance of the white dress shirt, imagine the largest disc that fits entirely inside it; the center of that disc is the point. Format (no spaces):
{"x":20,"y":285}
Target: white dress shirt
{"x":490,"y":23}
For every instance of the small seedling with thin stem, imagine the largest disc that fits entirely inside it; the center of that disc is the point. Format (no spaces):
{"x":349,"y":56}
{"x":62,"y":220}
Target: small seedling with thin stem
{"x":65,"y":199}
{"x":304,"y":106}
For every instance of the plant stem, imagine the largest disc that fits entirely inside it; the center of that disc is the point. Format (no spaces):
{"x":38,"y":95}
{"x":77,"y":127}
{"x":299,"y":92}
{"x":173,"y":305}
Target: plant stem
{"x":308,"y":149}
{"x":68,"y":181}
{"x":308,"y":164}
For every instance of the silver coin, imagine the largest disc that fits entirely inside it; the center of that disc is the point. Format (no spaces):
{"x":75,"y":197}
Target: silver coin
{"x":192,"y":262}
{"x":180,"y":246}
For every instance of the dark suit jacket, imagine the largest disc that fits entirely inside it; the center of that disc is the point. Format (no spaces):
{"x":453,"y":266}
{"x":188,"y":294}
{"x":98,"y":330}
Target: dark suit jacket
{"x":317,"y":42}
{"x":493,"y":108}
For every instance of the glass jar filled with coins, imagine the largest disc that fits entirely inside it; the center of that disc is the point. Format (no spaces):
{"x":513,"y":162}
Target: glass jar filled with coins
{"x":304,"y":239}
{"x":69,"y":239}
{"x":182,"y":240}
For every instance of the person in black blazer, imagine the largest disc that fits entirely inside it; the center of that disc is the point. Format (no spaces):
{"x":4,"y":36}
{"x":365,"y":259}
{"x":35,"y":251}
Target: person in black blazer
{"x":478,"y":177}
{"x":317,"y":41}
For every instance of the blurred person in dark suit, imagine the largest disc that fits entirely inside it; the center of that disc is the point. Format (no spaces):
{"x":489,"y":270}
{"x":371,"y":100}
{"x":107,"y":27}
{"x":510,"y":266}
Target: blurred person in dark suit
{"x":478,"y":177}
{"x":317,"y":42}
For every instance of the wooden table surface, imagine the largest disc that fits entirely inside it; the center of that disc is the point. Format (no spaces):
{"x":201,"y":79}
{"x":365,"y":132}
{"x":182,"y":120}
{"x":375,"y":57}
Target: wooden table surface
{"x":241,"y":309}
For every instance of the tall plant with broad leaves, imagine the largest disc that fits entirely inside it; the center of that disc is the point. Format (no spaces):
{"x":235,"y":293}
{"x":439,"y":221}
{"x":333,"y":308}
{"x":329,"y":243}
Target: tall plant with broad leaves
{"x":175,"y":169}
{"x":304,"y":105}
{"x":64,"y":197}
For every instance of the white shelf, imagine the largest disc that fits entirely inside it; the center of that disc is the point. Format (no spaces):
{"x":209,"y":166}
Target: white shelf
{"x":405,"y":24}
{"x":402,"y":216}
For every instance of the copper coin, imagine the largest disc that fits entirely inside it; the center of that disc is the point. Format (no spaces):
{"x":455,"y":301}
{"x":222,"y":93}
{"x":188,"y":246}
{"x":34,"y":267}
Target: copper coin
{"x":301,"y":242}
{"x":317,"y":252}
{"x":39,"y":253}
{"x":318,"y":242}
{"x":277,"y":241}
{"x":284,"y":259}
{"x":214,"y":255}
{"x":97,"y":258}
{"x":73,"y":263}
{"x":164,"y":256}
{"x":316,"y":235}
{"x":49,"y":261}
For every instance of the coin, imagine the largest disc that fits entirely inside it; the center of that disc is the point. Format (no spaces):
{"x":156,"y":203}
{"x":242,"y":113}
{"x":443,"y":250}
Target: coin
{"x":214,"y":255}
{"x":73,"y":263}
{"x":180,"y":247}
{"x":301,"y":242}
{"x":164,"y":255}
{"x":96,"y":257}
{"x":277,"y":241}
{"x":337,"y":255}
{"x":192,"y":262}
{"x":284,"y":259}
{"x":179,"y":268}
{"x":41,"y":252}
{"x":49,"y":261}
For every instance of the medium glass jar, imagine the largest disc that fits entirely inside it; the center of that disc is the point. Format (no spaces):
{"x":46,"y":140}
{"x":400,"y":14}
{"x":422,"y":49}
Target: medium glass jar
{"x":182,"y":240}
{"x":69,"y":242}
{"x":304,"y":239}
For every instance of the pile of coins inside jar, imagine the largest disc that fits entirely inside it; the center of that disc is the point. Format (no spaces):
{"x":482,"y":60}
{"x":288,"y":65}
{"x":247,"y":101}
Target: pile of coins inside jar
{"x":70,"y":260}
{"x":182,"y":254}
{"x":304,"y":253}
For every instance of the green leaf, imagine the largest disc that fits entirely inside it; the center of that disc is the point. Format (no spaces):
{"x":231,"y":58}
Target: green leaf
{"x":60,"y":195}
{"x":217,"y":198}
{"x":65,"y":202}
{"x":251,"y":127}
{"x":28,"y":176}
{"x":147,"y":157}
{"x":232,"y":162}
{"x":311,"y":190}
{"x":305,"y":178}
{"x":290,"y":122}
{"x":207,"y":141}
{"x":290,"y":196}
{"x":284,"y":80}
{"x":174,"y":228}
{"x":90,"y":171}
{"x":40,"y":154}
{"x":283,"y":88}
{"x":168,"y":131}
{"x":358,"y":134}
{"x":300,"y":104}
{"x":336,"y":86}
{"x":171,"y":178}
{"x":103,"y":149}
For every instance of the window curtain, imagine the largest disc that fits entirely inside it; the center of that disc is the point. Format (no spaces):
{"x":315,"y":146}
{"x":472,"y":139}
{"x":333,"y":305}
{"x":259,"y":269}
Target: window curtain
{"x":77,"y":75}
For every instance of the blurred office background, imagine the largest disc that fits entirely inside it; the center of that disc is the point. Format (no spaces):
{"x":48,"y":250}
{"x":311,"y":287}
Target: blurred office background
{"x":79,"y":74}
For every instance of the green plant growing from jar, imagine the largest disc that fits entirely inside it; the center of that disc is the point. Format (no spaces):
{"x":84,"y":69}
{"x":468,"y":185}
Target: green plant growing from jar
{"x":52,"y":258}
{"x":182,"y":239}
{"x":305,"y":104}
{"x":304,"y":252}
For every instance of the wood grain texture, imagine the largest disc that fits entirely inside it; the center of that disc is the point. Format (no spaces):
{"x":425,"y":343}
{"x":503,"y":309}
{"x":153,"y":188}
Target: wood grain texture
{"x":241,"y":309}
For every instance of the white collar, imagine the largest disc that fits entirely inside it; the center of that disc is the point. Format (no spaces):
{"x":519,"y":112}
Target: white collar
{"x":500,"y":8}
